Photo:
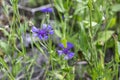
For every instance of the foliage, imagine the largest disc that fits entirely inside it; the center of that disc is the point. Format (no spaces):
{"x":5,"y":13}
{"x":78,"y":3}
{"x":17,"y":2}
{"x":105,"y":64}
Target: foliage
{"x":74,"y":31}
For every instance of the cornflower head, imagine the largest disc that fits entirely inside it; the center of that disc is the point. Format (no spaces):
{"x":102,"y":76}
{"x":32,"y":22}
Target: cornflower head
{"x":47,"y":10}
{"x":44,"y":32}
{"x":66,"y":51}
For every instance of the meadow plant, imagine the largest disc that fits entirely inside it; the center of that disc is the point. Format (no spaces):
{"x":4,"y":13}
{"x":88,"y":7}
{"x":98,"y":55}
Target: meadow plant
{"x":66,"y":50}
{"x":71,"y":32}
{"x":44,"y":32}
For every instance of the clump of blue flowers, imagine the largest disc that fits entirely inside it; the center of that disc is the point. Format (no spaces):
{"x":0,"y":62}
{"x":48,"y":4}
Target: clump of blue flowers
{"x":44,"y":32}
{"x":66,"y":50}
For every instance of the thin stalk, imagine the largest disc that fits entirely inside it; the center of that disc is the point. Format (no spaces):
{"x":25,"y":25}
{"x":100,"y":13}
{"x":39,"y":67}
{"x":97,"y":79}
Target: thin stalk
{"x":90,"y":18}
{"x":47,"y":67}
{"x":90,"y":31}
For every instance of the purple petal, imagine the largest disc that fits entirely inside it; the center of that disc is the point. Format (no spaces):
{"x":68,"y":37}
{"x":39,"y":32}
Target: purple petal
{"x":69,"y":45}
{"x":61,"y":45}
{"x":49,"y":9}
{"x":34,"y":29}
{"x":40,"y":37}
{"x":51,"y":32}
{"x":60,"y":52}
{"x":35,"y":34}
{"x":44,"y":26}
{"x":49,"y":27}
{"x":45,"y":37}
{"x":69,"y":56}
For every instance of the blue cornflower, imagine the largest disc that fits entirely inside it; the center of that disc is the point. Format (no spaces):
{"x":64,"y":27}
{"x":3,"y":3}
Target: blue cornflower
{"x":47,"y":10}
{"x":66,"y":51}
{"x":43,"y":33}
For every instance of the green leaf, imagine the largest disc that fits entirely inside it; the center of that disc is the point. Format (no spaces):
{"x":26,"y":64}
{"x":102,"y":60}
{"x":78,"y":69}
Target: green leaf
{"x":79,"y":8}
{"x":111,"y":23}
{"x":116,"y":7}
{"x":16,"y":68}
{"x":58,"y":76}
{"x":117,"y":49}
{"x":66,"y":69}
{"x":3,"y":63}
{"x":83,"y":36}
{"x":58,"y":33}
{"x":59,"y":6}
{"x":5,"y":47}
{"x":64,"y":42}
{"x":104,"y":36}
{"x":87,"y":24}
{"x":4,"y":31}
{"x":7,"y":68}
{"x":118,"y":44}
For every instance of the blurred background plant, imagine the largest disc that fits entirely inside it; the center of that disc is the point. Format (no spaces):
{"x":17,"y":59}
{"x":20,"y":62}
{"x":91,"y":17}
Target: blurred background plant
{"x":91,"y":27}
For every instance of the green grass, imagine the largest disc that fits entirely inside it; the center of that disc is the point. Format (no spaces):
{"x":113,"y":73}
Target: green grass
{"x":91,"y":25}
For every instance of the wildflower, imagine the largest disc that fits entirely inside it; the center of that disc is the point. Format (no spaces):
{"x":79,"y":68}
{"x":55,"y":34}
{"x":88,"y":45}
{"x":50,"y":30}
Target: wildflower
{"x":44,"y":32}
{"x":66,"y":51}
{"x":48,"y":9}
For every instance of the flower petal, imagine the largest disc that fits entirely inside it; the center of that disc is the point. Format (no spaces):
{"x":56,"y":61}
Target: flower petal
{"x":69,"y":56}
{"x":40,"y":37}
{"x":44,"y":26}
{"x":60,"y":52}
{"x":69,"y":45}
{"x":61,"y":45}
{"x":49,"y":9}
{"x":35,"y":34}
{"x":49,"y":27}
{"x":51,"y":32}
{"x":45,"y":37}
{"x":34,"y":29}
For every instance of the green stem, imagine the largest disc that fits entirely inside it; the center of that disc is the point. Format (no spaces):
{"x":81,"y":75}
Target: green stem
{"x":90,"y":23}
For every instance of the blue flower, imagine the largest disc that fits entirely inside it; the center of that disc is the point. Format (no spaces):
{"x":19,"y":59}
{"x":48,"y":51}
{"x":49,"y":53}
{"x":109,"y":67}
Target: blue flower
{"x":47,"y":10}
{"x":66,"y":51}
{"x":44,"y":32}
